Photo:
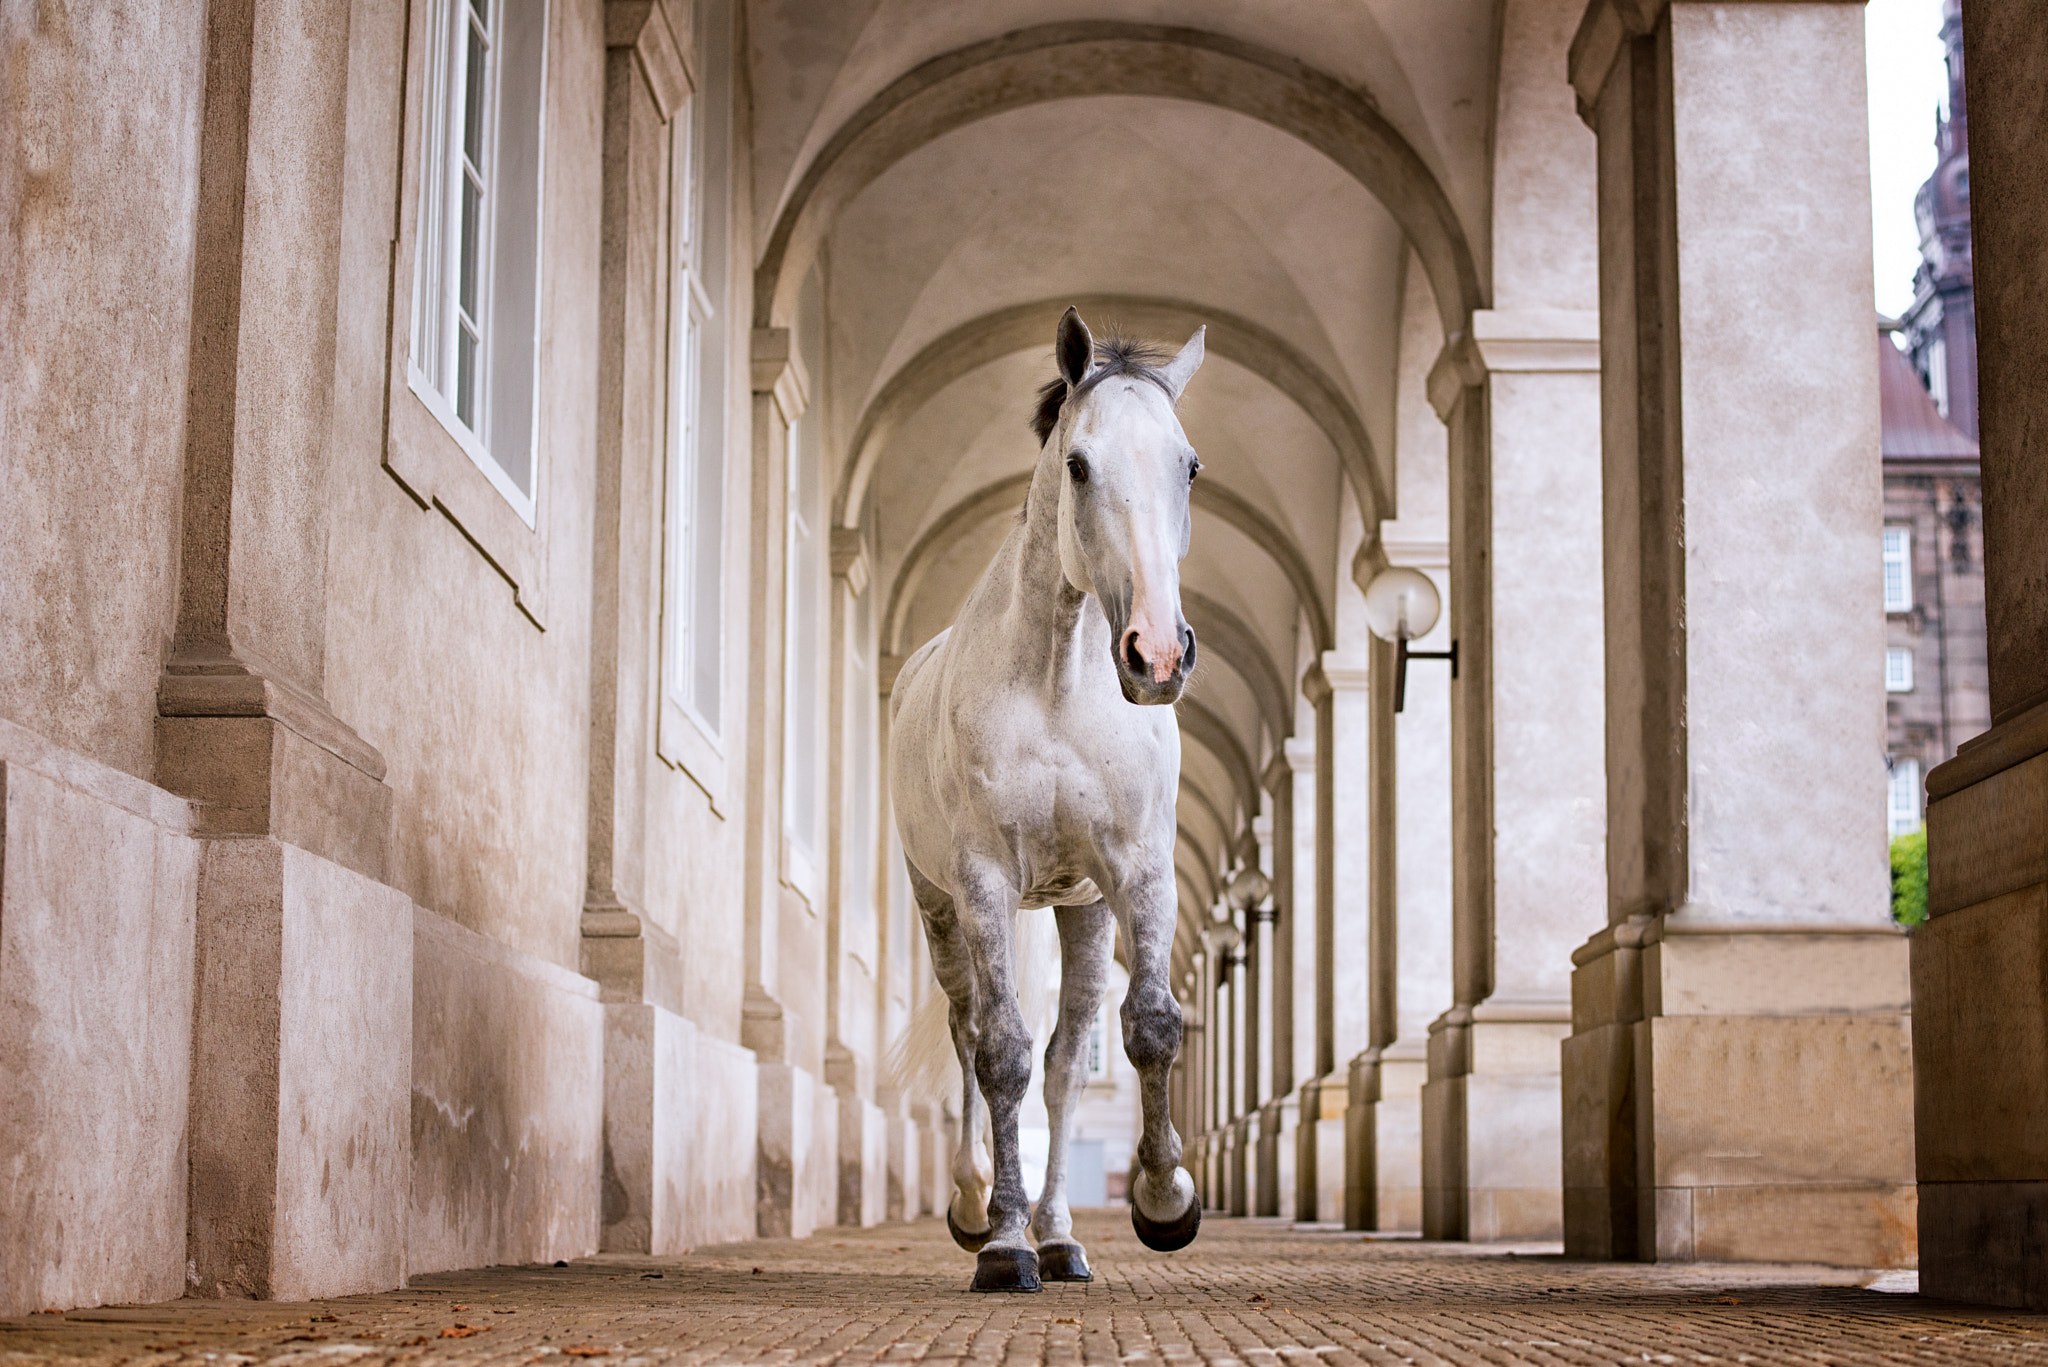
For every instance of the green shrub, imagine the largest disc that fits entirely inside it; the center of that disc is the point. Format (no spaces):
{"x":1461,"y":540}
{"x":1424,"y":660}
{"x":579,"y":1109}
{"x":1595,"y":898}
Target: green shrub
{"x":1909,"y":878}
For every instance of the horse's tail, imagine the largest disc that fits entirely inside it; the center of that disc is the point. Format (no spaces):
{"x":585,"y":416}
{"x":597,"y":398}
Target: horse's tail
{"x":923,"y":1063}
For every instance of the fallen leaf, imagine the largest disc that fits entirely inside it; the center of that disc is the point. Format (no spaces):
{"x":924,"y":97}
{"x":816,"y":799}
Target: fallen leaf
{"x":586,"y":1350}
{"x":1064,"y":1320}
{"x":757,"y":1272}
{"x":462,"y":1331}
{"x":458,"y":1307}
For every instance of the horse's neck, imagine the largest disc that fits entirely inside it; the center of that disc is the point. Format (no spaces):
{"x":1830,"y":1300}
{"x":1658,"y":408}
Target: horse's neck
{"x":1050,"y":609}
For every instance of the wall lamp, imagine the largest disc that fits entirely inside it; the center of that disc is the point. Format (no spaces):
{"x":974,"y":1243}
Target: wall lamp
{"x":1401,"y":604}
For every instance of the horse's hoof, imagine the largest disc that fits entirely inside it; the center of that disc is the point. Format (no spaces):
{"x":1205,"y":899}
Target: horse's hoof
{"x":1164,"y":1236}
{"x":971,"y":1242}
{"x":1063,"y":1262}
{"x":1006,"y":1269}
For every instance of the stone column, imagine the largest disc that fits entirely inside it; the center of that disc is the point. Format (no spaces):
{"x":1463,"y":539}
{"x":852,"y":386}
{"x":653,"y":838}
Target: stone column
{"x":788,"y":1092}
{"x":1749,"y":954}
{"x":1337,"y":688}
{"x":1275,"y":1182}
{"x":1362,"y":1179}
{"x":1521,"y":395}
{"x":1980,"y":995}
{"x":299,"y":1151}
{"x":637,"y":964}
{"x":852,"y":930}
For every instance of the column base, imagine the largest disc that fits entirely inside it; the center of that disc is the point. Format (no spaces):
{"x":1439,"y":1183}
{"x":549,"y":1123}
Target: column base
{"x":797,"y":1153}
{"x":1980,"y":1028}
{"x":863,"y":1162}
{"x":1240,"y":1159}
{"x":679,"y":1110}
{"x":1361,"y":1156}
{"x":1490,"y":1123}
{"x":1319,"y":1151}
{"x":1275,"y":1186}
{"x":1394,"y":1118}
{"x":1759,"y":1110}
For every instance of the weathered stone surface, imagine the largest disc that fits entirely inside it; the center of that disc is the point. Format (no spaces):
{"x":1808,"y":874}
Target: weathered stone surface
{"x":507,"y":1103}
{"x":679,"y":1142}
{"x":97,"y":893}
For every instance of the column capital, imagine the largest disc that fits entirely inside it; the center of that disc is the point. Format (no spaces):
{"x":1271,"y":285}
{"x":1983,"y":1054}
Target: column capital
{"x":850,"y":558}
{"x":1342,"y":670}
{"x":1605,"y":27}
{"x":779,"y":372}
{"x":664,"y":55}
{"x":1315,"y":685}
{"x":1299,"y":755}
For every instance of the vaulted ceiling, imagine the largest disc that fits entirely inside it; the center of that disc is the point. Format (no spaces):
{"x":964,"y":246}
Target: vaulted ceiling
{"x":956,"y":174}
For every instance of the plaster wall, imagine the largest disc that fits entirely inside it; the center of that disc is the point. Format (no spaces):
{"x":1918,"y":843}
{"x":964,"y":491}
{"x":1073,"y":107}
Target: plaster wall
{"x":488,"y":787}
{"x":98,"y":881}
{"x":97,"y":205}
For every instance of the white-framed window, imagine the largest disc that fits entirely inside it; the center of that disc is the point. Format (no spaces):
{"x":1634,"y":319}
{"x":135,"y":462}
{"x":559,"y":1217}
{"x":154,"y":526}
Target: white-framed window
{"x":476,"y":293}
{"x":802,"y":753}
{"x":1904,"y":799}
{"x":1098,"y":1045}
{"x":863,"y":802}
{"x":692,"y":732}
{"x":1898,"y":670}
{"x":1898,"y":569}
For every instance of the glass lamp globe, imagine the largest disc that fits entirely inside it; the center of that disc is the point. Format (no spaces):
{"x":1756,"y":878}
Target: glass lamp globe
{"x":1401,"y":604}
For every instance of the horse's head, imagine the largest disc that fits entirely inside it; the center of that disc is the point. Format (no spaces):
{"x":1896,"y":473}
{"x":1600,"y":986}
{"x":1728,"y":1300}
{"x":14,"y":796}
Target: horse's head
{"x":1123,"y":520}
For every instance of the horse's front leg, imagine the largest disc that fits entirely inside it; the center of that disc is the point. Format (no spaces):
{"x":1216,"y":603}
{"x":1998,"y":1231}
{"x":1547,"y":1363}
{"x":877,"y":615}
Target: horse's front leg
{"x":1165,"y":1211}
{"x":1087,"y":938}
{"x":1002,"y":1067}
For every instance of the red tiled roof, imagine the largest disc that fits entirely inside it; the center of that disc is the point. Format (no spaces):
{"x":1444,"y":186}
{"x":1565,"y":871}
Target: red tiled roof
{"x":1914,"y":428}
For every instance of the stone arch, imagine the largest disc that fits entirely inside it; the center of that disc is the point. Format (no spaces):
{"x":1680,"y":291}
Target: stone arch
{"x":1027,"y":327}
{"x":1082,"y":58}
{"x":1208,"y":730}
{"x":1217,"y":627}
{"x":1210,"y":496}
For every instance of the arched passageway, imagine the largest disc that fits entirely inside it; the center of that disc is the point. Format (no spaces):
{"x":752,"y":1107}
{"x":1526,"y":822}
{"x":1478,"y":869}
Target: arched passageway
{"x":471,"y":636}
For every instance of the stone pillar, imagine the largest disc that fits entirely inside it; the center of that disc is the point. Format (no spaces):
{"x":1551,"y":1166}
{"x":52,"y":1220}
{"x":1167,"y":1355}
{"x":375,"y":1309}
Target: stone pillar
{"x":1362,"y":1179}
{"x":1337,"y":688}
{"x":1980,"y":993}
{"x":1749,"y":953}
{"x":650,"y":1050}
{"x":1274,"y":1184}
{"x":790,"y":1104}
{"x":299,"y":1150}
{"x":1521,"y":395}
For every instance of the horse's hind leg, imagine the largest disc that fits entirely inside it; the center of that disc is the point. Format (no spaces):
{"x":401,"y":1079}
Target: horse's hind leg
{"x":1164,"y":1210}
{"x":1087,"y":937}
{"x":967,"y":1212}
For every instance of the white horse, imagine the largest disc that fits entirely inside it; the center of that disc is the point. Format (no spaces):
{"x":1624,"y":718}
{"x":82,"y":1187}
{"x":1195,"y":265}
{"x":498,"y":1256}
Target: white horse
{"x":1034,"y":759}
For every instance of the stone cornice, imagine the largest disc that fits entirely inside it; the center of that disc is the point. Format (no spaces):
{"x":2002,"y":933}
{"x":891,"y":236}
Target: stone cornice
{"x":779,"y":372}
{"x":665,"y":57}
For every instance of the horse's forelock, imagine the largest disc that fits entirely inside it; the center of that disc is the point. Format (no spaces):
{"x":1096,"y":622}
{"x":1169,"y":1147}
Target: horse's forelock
{"x":1114,"y":355}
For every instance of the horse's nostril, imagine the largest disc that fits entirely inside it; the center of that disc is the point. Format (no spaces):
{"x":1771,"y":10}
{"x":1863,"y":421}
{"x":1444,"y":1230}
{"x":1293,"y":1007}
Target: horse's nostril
{"x":1187,"y":653}
{"x":1132,"y":659}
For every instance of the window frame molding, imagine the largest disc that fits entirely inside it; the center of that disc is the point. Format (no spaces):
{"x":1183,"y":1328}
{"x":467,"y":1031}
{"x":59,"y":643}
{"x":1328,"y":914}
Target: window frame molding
{"x":425,"y":452}
{"x":1905,"y":562}
{"x":685,"y":739}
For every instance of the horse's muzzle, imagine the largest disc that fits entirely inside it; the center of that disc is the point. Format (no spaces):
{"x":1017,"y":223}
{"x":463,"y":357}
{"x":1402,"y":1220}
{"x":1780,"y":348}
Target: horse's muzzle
{"x":1137,"y":678}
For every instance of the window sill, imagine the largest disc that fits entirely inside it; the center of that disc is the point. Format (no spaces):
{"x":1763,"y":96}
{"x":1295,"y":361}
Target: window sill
{"x":684,"y":745}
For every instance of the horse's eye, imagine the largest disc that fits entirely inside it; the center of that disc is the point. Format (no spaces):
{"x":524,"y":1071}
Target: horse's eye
{"x":1194,"y":468}
{"x":1077,"y":469}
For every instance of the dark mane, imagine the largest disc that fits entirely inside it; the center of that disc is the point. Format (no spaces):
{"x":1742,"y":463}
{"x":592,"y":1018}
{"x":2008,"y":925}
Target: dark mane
{"x":1114,"y":355}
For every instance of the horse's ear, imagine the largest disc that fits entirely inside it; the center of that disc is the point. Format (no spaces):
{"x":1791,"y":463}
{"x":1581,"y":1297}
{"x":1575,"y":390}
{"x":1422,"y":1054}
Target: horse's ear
{"x":1182,"y":368}
{"x":1073,"y":346}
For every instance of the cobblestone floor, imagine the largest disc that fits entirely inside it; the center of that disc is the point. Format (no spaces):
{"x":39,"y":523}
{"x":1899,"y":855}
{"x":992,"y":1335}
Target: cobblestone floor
{"x":1256,"y":1293}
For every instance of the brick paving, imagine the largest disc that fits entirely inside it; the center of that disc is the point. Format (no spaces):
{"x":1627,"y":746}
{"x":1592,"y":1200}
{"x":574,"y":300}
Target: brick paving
{"x":1249,"y":1293}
